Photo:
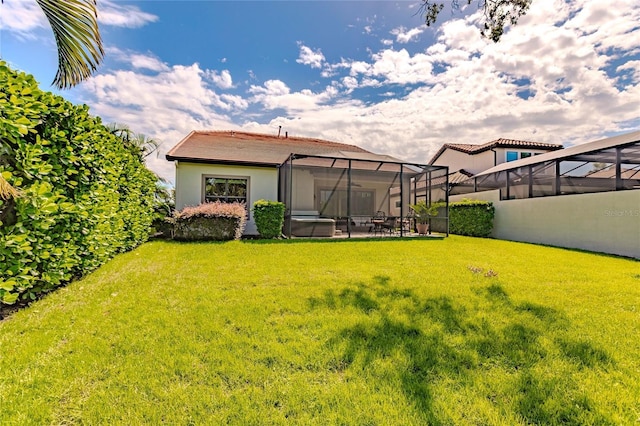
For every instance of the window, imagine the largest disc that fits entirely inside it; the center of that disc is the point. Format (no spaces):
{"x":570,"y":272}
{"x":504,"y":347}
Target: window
{"x":333,"y":203}
{"x":225,"y":189}
{"x":512,"y":156}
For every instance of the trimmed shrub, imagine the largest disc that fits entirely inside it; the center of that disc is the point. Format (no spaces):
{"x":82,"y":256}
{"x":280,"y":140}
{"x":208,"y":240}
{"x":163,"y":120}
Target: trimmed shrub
{"x":210,"y":221}
{"x":269,"y":218}
{"x":84,"y":195}
{"x":473,"y":218}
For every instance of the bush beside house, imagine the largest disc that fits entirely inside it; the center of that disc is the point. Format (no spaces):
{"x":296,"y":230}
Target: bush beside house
{"x":210,"y":222}
{"x":269,"y":218}
{"x":84,"y":195}
{"x":472,"y":218}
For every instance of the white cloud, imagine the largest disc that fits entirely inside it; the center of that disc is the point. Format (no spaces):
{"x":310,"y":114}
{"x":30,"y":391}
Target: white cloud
{"x":165,"y":105}
{"x":572,"y":61}
{"x":22,"y":17}
{"x":235,"y":102}
{"x":309,"y":57}
{"x":275,"y":94}
{"x":396,"y":67}
{"x":350,"y":83}
{"x":405,"y":36}
{"x":271,"y":88}
{"x":473,"y":89}
{"x":141,"y":61}
{"x":121,"y":15}
{"x":147,"y":62}
{"x":359,"y":67}
{"x":222,"y":80}
{"x":634,"y":67}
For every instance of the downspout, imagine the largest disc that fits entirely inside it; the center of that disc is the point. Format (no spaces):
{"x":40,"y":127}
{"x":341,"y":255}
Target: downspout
{"x":349,"y":201}
{"x":290,"y":182}
{"x":619,"y":184}
{"x":446,"y":201}
{"x":429,"y":195}
{"x":401,"y":200}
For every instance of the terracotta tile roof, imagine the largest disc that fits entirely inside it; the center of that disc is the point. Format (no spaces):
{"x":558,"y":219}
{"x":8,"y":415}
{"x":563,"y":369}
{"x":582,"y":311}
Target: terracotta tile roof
{"x":453,"y":177}
{"x":251,"y":148}
{"x":459,"y":176}
{"x":473,"y":149}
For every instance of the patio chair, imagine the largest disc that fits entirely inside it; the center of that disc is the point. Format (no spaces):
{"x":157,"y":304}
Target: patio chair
{"x":390,"y":225}
{"x":378,"y":220}
{"x":407,"y":223}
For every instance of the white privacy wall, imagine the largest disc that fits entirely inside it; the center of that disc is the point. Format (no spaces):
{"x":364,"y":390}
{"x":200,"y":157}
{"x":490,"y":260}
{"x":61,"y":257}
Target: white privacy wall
{"x":607,"y":222}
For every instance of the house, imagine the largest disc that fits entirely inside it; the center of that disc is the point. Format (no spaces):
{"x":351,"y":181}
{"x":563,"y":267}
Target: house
{"x":323,"y":184}
{"x":471,"y":159}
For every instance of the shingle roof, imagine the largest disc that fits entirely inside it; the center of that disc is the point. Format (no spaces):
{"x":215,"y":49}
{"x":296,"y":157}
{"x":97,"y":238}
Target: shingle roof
{"x":235,"y":147}
{"x":473,"y":149}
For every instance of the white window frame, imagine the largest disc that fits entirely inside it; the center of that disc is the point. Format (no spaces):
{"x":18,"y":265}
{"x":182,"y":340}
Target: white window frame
{"x":203,"y":193}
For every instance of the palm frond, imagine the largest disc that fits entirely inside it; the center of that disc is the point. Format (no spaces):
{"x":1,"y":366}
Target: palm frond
{"x":75,"y":29}
{"x":146,"y":145}
{"x":120,"y":130}
{"x":6,"y":190}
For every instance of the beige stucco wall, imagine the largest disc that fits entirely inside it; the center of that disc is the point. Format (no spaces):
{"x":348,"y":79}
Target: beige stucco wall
{"x":606,"y":222}
{"x":457,"y":160}
{"x":480,"y":162}
{"x":302,"y":191}
{"x":307,"y":190}
{"x":263,"y":184}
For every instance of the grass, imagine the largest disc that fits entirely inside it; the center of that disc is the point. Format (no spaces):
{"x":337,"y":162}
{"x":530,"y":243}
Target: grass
{"x":458,"y":331}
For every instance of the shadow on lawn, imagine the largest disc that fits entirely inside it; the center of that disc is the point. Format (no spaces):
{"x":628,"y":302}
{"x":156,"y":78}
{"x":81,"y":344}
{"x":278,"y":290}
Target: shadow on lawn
{"x":440,"y":339}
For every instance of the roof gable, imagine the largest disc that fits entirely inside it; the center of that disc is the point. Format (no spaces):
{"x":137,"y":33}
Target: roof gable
{"x":473,"y":149}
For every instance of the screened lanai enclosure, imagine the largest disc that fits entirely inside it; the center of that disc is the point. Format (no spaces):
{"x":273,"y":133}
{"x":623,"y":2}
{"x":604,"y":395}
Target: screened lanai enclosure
{"x":357,"y":194}
{"x":607,"y":165}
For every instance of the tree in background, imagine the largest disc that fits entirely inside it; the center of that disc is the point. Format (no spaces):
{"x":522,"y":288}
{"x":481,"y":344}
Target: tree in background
{"x":143,"y":144}
{"x":497,"y":14}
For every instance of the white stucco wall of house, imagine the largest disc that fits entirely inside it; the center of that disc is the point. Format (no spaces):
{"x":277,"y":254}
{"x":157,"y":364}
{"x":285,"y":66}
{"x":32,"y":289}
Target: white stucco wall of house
{"x":263,"y":184}
{"x":457,"y":160}
{"x":501,"y":154}
{"x":480,"y":162}
{"x":607,"y":222}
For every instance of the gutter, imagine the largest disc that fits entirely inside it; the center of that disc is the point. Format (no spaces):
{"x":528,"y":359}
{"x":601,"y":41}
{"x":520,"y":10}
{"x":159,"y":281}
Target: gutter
{"x":225,"y":162}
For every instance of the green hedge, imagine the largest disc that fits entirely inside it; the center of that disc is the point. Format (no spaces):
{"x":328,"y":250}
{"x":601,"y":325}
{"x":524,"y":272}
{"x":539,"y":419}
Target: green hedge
{"x":269,"y":218}
{"x":471,"y":217}
{"x":84,"y":194}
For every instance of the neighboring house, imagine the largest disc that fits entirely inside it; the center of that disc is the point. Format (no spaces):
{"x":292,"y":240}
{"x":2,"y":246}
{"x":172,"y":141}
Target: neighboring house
{"x":586,"y":196}
{"x":314,"y":177}
{"x":473,"y":159}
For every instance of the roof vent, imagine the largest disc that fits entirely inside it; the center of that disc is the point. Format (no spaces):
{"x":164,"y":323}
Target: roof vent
{"x":279,"y":129}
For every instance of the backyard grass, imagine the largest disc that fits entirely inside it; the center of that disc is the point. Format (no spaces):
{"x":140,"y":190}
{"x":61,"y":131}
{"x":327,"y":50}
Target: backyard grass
{"x":403,"y":332}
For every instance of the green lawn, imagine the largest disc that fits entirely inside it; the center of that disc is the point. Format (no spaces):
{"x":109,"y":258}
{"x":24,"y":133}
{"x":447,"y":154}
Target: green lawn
{"x":457,"y":331}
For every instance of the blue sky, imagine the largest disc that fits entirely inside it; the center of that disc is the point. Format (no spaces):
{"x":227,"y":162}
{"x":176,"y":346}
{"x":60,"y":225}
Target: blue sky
{"x":362,"y":72}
